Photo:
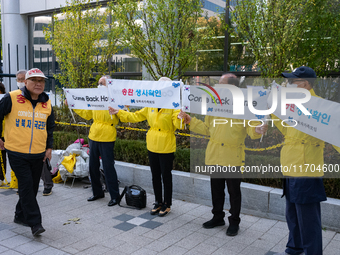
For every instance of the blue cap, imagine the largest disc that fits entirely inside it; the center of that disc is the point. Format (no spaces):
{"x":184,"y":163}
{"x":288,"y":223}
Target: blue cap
{"x":301,"y":72}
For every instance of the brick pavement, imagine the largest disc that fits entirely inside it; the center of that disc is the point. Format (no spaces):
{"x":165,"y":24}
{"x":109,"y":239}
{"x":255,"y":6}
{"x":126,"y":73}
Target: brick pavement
{"x":116,"y":230}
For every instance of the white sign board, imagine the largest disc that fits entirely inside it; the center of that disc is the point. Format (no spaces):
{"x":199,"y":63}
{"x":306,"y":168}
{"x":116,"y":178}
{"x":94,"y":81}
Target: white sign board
{"x":323,"y":123}
{"x":87,"y":99}
{"x":158,"y":94}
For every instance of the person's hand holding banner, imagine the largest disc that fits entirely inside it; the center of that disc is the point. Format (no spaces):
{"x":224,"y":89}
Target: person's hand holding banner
{"x":113,"y":111}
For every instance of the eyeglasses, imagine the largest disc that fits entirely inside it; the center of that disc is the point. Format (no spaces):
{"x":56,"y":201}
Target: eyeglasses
{"x":294,"y":80}
{"x":20,"y":80}
{"x":36,"y":80}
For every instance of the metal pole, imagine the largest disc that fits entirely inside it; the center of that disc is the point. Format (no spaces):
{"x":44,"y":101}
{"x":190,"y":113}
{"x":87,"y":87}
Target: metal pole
{"x":40,"y":59}
{"x":226,"y":38}
{"x":48,"y":61}
{"x":1,"y":65}
{"x":110,"y":57}
{"x":25,"y":57}
{"x":48,"y":67}
{"x":9,"y":66}
{"x":33,"y":56}
{"x":17,"y":57}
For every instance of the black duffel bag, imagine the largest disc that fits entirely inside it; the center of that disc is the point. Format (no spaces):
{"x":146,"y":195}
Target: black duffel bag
{"x":135,"y":196}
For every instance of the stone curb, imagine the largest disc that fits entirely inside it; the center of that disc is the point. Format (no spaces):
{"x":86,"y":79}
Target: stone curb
{"x":257,"y":200}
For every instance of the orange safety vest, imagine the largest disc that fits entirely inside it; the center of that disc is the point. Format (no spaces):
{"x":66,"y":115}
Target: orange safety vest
{"x":25,"y":127}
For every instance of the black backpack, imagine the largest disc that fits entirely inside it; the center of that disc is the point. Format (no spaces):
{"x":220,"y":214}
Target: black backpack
{"x":135,"y":196}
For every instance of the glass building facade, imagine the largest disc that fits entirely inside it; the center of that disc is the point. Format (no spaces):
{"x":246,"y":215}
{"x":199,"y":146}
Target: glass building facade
{"x":210,"y":60}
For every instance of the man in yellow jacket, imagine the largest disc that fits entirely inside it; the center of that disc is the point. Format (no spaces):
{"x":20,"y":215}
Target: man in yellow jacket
{"x":29,"y":125}
{"x":161,"y":145}
{"x":304,"y":190}
{"x":225,"y":148}
{"x":102,"y":138}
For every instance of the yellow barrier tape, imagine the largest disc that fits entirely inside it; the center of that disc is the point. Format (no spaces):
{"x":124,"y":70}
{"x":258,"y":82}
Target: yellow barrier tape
{"x":265,"y":149}
{"x":176,"y":133}
{"x":72,"y":124}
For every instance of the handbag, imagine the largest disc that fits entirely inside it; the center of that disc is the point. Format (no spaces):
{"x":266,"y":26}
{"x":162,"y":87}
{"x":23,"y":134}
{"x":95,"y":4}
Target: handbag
{"x":135,"y":196}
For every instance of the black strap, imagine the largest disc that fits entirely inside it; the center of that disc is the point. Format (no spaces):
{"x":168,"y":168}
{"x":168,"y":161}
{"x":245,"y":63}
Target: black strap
{"x":122,"y":195}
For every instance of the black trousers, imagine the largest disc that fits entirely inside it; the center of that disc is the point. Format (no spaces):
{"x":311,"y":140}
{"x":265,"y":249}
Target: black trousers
{"x":161,"y":166}
{"x":27,"y":169}
{"x":105,"y":150}
{"x":3,"y":156}
{"x":218,"y":197}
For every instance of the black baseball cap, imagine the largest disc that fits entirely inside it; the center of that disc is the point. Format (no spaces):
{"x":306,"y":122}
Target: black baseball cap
{"x":301,"y":72}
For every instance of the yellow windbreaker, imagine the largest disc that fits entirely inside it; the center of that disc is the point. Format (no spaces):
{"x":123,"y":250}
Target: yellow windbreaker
{"x":161,"y":135}
{"x":300,"y":149}
{"x":103,"y":128}
{"x":226,"y":144}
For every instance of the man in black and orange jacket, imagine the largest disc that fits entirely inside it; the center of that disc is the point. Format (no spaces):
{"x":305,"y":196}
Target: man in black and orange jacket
{"x":29,"y":125}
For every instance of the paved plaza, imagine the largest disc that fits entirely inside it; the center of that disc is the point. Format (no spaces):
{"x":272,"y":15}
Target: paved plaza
{"x":75,"y":226}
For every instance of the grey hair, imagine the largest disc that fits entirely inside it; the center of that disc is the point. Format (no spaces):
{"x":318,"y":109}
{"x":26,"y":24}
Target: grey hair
{"x":106,"y":76}
{"x":22,"y":71}
{"x":164,"y":79}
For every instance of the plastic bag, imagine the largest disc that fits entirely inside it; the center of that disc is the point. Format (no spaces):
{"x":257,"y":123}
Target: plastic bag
{"x":69,"y":162}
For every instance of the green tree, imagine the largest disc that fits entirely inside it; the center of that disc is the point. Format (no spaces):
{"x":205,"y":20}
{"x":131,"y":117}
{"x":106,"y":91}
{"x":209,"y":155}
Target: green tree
{"x":286,"y":34}
{"x":210,"y":56}
{"x":211,"y":53}
{"x":162,"y":34}
{"x":320,"y":44}
{"x":78,"y":38}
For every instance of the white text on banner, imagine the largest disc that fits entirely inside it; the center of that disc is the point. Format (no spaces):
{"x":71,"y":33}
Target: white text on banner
{"x":87,"y":99}
{"x":158,"y":94}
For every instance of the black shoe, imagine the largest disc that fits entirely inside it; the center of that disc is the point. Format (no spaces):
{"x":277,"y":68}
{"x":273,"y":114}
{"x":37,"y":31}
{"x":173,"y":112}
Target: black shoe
{"x":37,"y":230}
{"x":113,"y":202}
{"x":47,"y":192}
{"x":213,"y":223}
{"x":17,"y":220}
{"x":155,"y":210}
{"x":93,"y":198}
{"x":232,"y":230}
{"x":164,"y":211}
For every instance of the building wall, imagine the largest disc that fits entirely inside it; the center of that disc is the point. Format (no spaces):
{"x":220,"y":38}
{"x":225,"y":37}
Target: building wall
{"x":14,"y":33}
{"x":31,"y":6}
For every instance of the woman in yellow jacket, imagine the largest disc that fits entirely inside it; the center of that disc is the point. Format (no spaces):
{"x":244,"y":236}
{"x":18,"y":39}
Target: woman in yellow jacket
{"x":102,"y":138}
{"x":161,"y":145}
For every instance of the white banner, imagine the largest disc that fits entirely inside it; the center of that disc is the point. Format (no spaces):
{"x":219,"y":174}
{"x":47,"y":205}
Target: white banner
{"x":88,"y":99}
{"x":158,"y":94}
{"x":323,"y":123}
{"x":220,"y":101}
